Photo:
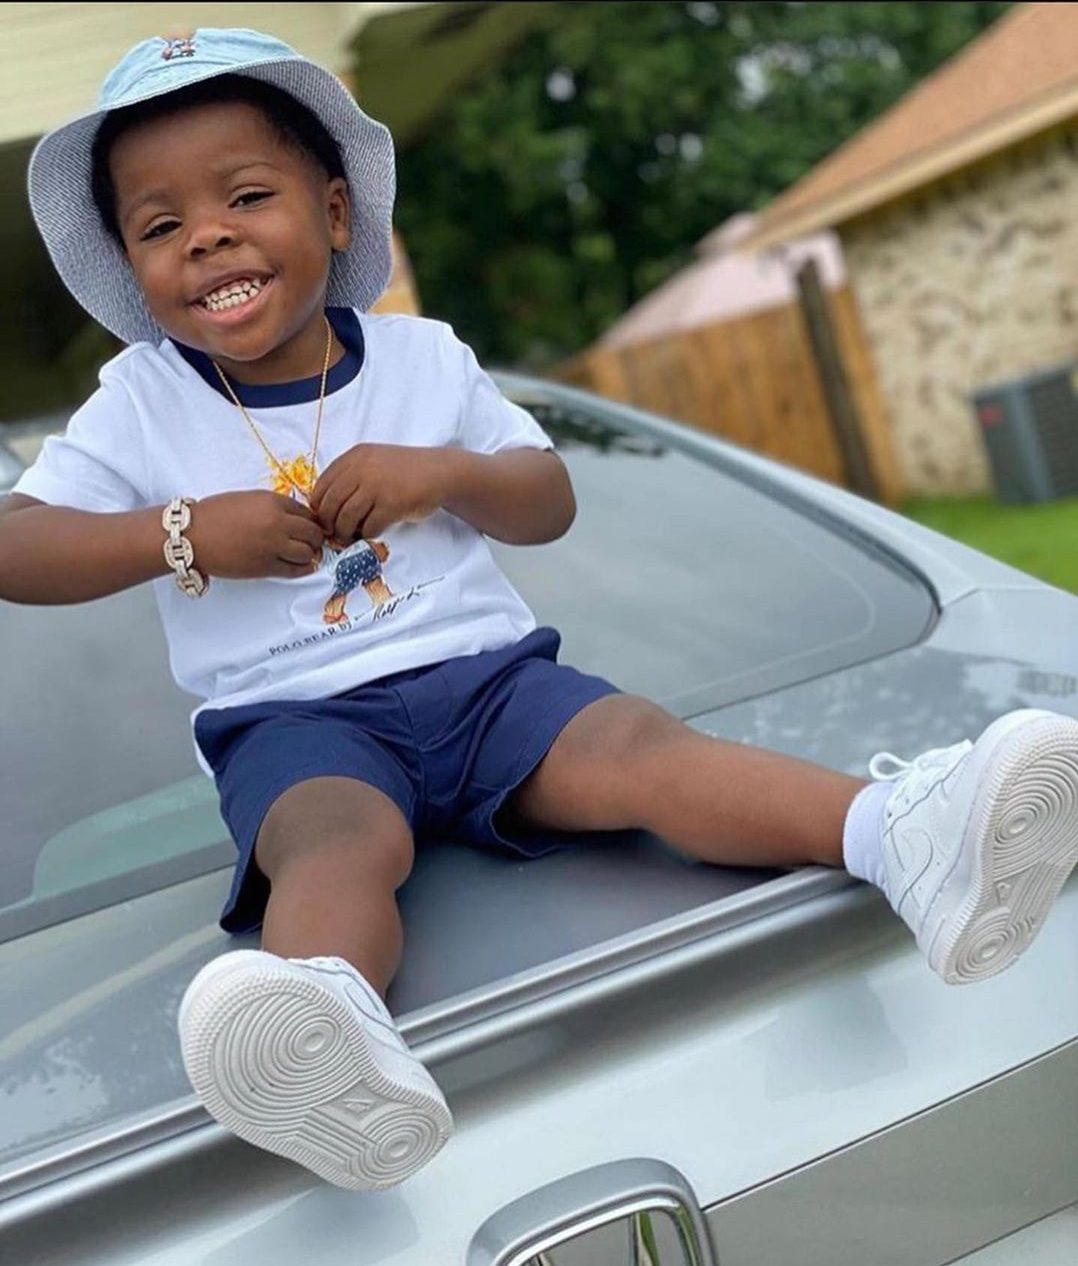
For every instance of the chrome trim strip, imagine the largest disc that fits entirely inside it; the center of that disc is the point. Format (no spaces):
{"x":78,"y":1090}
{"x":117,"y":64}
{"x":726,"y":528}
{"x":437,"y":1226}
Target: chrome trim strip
{"x":438,"y":1028}
{"x":465,"y":1024}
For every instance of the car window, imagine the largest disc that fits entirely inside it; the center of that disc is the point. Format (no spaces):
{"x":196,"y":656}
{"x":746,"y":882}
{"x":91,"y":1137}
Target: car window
{"x":98,"y":779}
{"x":682,"y":582}
{"x":677,"y":581}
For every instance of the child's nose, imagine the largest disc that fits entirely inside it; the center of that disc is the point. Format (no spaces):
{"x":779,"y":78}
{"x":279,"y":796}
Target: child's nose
{"x":204,"y":238}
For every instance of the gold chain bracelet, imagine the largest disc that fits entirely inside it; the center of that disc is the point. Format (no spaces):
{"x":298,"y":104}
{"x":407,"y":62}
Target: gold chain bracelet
{"x":179,"y":552}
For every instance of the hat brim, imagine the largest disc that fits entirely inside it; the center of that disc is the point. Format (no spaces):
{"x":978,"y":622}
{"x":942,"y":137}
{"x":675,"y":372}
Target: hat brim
{"x":96,"y":270}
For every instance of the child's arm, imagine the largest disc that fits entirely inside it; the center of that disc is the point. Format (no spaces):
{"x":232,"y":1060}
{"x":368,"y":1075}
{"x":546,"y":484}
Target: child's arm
{"x":521,"y":496}
{"x":52,"y":554}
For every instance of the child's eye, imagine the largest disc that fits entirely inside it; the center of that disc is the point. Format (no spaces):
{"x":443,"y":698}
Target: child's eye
{"x":253,"y":195}
{"x":159,"y":229}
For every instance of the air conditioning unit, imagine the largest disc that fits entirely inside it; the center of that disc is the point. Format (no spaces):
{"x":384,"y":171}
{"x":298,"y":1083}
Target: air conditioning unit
{"x":1030,"y":428}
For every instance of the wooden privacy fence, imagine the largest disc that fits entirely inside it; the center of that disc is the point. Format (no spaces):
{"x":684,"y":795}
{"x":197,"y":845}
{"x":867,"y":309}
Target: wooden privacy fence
{"x":754,"y":380}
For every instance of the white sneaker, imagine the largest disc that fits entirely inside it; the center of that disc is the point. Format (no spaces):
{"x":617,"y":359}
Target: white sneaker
{"x":298,"y":1057}
{"x":978,"y":839}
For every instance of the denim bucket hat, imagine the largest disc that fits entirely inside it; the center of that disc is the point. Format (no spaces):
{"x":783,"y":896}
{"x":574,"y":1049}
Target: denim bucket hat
{"x":91,"y":263}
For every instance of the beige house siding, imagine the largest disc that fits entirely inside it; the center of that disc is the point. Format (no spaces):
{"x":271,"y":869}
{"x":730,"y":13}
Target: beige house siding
{"x":972,"y":280}
{"x":53,"y":57}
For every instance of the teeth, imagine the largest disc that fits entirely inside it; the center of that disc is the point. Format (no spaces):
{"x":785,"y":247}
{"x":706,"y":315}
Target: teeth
{"x":232,"y":295}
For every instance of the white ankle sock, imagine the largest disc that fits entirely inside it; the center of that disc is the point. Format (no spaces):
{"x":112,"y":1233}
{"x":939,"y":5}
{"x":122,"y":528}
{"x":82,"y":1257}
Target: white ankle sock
{"x":862,"y":832}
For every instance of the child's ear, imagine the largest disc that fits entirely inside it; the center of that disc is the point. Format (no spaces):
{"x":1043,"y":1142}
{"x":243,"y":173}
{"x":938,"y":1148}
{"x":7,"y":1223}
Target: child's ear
{"x":339,"y":210}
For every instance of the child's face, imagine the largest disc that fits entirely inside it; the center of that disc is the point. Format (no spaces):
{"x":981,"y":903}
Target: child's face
{"x":211,"y":196}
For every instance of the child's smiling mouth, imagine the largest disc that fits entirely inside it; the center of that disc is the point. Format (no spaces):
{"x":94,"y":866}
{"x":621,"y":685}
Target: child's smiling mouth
{"x":232,"y":301}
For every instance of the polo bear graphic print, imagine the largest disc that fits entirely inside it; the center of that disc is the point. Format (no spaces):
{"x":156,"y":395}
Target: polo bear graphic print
{"x":357,"y":564}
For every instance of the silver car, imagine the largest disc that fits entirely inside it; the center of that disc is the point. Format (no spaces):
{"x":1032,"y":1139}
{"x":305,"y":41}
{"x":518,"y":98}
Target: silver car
{"x":650,"y":1060}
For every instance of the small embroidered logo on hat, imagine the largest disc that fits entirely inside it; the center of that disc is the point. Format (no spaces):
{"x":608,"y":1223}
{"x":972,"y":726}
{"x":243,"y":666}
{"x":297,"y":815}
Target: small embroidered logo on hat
{"x":179,"y":48}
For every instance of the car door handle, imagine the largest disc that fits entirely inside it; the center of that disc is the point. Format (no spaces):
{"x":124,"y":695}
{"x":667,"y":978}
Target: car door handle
{"x":637,"y":1212}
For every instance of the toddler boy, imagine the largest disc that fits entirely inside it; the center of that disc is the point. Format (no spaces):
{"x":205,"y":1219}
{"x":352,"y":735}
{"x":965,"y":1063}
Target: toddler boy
{"x":309,"y":488}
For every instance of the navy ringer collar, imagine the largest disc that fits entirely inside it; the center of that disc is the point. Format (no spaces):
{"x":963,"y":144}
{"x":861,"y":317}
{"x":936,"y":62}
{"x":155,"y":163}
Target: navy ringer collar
{"x":265,"y":396}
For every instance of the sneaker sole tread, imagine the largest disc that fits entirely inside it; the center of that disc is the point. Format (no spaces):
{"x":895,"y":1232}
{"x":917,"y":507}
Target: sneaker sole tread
{"x":282,"y":1062}
{"x":1025,"y":845}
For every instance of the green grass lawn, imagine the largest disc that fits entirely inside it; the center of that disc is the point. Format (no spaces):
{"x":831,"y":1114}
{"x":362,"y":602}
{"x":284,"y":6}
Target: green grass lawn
{"x":1040,"y":539}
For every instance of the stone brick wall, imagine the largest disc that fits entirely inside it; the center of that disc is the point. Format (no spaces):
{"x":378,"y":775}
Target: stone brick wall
{"x":972,"y":280}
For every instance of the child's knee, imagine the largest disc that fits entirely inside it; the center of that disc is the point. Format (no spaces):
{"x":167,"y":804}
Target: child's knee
{"x":639,"y":728}
{"x":355,"y":832}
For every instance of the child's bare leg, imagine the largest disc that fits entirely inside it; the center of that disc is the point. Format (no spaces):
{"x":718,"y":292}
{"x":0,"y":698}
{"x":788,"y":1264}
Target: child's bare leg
{"x":335,"y":851}
{"x":301,"y":1057}
{"x":624,"y":762}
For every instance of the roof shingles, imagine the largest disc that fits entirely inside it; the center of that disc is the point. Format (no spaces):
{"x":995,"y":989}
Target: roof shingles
{"x":1020,"y":76}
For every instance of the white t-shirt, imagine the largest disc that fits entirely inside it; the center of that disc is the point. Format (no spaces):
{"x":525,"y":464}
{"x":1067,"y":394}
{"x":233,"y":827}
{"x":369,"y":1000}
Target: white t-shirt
{"x":156,"y":428}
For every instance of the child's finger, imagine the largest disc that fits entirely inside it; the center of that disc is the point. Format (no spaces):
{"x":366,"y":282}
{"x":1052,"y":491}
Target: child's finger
{"x":296,"y":553}
{"x":334,"y":496}
{"x":308,"y":531}
{"x":292,"y":506}
{"x":376,"y":523}
{"x":352,"y":514}
{"x":322,"y":486}
{"x":329,"y":477}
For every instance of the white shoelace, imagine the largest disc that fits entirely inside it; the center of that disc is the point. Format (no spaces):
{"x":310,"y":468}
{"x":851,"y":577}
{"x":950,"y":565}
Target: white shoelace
{"x":914,"y":775}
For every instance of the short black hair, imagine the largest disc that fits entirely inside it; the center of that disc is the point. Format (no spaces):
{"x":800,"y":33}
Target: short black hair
{"x":293,"y":122}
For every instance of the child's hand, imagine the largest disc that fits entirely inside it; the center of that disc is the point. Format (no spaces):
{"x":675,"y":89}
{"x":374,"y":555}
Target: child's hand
{"x":246,"y":535}
{"x":372,"y":486}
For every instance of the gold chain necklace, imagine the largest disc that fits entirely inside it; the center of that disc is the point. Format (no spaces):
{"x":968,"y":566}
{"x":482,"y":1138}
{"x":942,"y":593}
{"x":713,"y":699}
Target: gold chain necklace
{"x":286,"y":473}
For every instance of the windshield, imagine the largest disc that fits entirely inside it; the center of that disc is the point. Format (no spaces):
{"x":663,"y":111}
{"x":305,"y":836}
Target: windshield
{"x":677,"y":581}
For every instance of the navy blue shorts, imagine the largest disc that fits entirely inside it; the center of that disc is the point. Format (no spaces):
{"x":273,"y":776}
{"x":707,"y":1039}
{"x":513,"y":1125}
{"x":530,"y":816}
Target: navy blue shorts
{"x":447,"y":743}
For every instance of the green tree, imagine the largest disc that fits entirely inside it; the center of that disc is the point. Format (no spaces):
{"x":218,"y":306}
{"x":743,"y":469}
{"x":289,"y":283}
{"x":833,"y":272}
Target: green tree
{"x":578,"y":173}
